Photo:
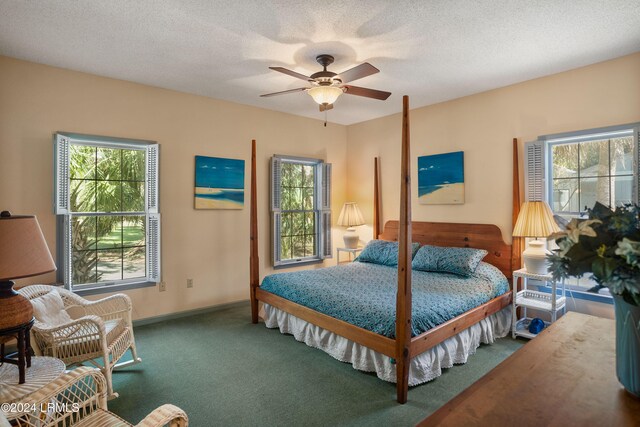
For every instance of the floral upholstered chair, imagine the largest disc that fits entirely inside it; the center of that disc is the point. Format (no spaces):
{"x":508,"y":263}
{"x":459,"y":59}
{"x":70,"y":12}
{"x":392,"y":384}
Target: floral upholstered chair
{"x":76,"y":330}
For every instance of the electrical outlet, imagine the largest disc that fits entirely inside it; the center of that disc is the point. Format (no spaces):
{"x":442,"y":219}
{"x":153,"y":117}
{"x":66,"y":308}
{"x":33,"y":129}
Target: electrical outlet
{"x":163,"y":286}
{"x":189,"y":283}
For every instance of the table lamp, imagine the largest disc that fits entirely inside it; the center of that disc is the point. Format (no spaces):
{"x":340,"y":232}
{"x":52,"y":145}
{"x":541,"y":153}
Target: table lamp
{"x":350,"y":217}
{"x":535,"y":220}
{"x":23,"y":253}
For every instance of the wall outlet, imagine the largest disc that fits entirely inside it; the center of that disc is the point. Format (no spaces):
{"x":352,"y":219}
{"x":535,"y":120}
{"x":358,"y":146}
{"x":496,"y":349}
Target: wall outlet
{"x":189,"y":283}
{"x":163,"y":286}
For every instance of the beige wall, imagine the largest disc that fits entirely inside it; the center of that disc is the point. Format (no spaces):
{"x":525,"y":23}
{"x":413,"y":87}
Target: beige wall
{"x":212,"y":247}
{"x":483,"y":126}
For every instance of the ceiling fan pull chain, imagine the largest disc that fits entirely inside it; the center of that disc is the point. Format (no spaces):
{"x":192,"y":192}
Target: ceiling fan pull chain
{"x":325,"y":118}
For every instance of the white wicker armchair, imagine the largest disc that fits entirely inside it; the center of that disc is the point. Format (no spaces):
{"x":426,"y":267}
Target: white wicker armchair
{"x":79,"y":398}
{"x":99,"y":329}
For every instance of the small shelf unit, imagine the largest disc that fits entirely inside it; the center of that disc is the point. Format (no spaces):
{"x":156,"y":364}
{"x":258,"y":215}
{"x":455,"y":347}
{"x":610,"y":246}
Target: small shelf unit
{"x":550,"y":302}
{"x":522,"y":328}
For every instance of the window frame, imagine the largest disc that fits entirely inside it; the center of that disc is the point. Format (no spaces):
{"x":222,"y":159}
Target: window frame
{"x":539,"y":179}
{"x":322,"y":210}
{"x":588,"y":135}
{"x":62,"y":142}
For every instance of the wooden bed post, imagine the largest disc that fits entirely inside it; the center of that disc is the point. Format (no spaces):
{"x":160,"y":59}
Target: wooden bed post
{"x":254,"y":268}
{"x":517,"y":245}
{"x":376,"y":198}
{"x":403,"y":299}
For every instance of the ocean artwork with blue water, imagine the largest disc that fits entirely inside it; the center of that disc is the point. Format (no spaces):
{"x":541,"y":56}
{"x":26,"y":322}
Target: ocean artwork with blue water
{"x":441,"y":179}
{"x":219,"y":183}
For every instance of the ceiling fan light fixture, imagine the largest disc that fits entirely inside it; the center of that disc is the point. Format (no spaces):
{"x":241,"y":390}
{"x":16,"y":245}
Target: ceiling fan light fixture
{"x":325,"y":94}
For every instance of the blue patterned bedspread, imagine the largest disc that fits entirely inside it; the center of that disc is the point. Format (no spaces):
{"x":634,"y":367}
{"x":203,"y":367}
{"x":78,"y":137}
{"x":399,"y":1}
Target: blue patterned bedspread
{"x":364,"y":294}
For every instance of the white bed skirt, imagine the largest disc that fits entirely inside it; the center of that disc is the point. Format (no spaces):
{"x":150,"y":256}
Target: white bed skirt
{"x":424,"y":367}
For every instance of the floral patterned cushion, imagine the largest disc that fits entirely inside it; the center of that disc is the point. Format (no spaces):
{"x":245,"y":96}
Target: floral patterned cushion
{"x":460,"y":261}
{"x":383,"y":252}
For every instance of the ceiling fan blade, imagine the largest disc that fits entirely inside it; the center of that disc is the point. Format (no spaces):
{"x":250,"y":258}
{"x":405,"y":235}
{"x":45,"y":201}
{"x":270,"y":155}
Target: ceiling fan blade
{"x":357,"y":72}
{"x":300,"y":89}
{"x":368,"y":93}
{"x":325,"y":107}
{"x":291,"y":73}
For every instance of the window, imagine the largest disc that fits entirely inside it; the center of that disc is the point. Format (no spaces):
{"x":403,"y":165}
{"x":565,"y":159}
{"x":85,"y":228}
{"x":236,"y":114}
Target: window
{"x":301,"y":210}
{"x":573,"y":171}
{"x":598,"y":169}
{"x":107,"y":206}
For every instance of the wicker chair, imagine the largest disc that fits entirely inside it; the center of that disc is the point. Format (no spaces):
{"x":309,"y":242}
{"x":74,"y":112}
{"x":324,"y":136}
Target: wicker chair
{"x":79,"y":398}
{"x":100,"y":329}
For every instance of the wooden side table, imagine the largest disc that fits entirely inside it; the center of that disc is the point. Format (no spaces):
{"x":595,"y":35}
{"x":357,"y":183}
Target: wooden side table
{"x":22,"y":334}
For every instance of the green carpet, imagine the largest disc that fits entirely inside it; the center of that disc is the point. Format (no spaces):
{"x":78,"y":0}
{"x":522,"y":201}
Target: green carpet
{"x":223,"y":370}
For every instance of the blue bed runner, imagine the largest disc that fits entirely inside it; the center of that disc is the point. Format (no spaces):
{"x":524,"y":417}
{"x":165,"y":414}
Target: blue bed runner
{"x":364,"y":294}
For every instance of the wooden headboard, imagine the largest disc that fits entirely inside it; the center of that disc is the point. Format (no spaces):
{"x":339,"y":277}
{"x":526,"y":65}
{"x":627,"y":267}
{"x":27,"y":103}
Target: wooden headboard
{"x":479,"y":236}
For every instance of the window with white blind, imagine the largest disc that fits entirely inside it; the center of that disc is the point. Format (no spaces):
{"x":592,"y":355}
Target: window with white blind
{"x":106,"y":201}
{"x":301,"y":210}
{"x":572,"y":171}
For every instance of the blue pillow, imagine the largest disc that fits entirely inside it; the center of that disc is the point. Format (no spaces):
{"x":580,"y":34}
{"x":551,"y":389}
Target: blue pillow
{"x":460,"y":261}
{"x":383,"y":252}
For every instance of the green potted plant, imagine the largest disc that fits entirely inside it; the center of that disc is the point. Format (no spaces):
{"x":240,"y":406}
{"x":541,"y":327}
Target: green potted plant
{"x":607,"y":245}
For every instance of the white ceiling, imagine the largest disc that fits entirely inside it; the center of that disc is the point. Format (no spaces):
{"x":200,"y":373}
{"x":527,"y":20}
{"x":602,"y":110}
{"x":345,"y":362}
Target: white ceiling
{"x":432,"y":50}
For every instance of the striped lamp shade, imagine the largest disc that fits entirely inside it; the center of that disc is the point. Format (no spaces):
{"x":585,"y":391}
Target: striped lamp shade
{"x":535,"y":220}
{"x":350,"y":216}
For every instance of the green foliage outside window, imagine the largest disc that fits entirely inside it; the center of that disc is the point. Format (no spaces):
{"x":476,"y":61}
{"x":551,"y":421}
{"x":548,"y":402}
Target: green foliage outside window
{"x":593,"y":171}
{"x":107,"y":181}
{"x":298,"y":232}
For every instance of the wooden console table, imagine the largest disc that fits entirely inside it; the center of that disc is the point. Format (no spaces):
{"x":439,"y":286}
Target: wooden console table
{"x":564,"y":377}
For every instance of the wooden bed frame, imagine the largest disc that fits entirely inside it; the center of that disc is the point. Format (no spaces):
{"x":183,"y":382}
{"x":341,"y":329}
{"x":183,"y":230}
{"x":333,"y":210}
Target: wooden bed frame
{"x":404,"y":347}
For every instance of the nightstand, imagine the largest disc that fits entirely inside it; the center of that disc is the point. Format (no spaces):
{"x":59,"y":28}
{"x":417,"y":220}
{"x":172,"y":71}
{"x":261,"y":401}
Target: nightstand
{"x":550,"y":302}
{"x":349,"y":251}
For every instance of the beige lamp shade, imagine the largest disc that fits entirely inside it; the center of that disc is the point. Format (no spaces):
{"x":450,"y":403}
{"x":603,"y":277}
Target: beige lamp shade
{"x":23,"y":250}
{"x":23,"y":253}
{"x":535,"y":220}
{"x":350,"y":215}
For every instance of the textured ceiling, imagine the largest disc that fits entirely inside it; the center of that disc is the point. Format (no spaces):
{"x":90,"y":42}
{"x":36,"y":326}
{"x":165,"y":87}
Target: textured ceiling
{"x":432,"y":50}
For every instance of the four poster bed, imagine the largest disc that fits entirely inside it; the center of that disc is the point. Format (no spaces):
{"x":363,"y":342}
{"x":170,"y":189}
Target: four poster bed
{"x":377,"y":339}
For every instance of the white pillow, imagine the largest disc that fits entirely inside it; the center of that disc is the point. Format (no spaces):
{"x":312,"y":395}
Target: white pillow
{"x":49,"y":309}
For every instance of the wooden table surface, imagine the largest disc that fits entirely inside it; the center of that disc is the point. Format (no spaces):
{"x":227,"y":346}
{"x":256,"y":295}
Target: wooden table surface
{"x":564,"y":377}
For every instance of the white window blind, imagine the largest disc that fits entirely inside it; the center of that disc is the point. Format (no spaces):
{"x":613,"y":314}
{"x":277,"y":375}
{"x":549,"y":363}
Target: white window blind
{"x":326,"y":244}
{"x":61,"y":179}
{"x":534,"y":171}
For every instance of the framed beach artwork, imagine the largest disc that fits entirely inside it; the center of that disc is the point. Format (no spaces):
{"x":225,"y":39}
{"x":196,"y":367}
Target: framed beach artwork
{"x":219,"y":183}
{"x":441,"y":179}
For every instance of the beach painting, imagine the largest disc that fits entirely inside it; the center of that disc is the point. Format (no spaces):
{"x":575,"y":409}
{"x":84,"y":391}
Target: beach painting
{"x":441,"y":179}
{"x":219,"y":183}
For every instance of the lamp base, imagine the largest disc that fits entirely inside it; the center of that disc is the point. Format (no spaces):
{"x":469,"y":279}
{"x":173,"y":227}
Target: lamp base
{"x":15,"y":309}
{"x":351,"y":238}
{"x":535,"y":258}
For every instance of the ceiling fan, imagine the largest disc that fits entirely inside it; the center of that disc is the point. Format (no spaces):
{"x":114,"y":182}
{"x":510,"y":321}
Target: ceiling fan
{"x":327,"y":86}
